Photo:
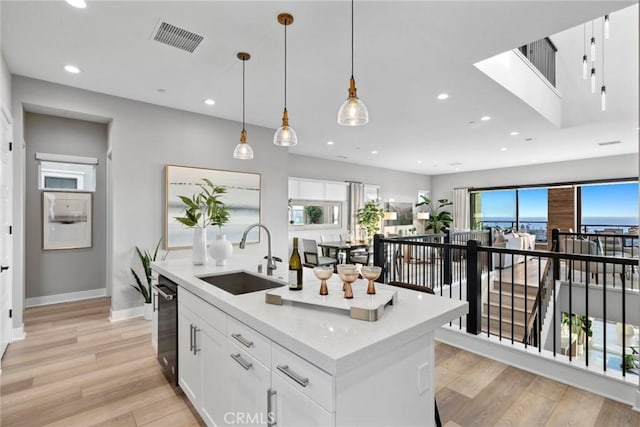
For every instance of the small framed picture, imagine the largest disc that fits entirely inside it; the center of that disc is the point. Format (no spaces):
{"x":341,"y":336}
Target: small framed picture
{"x":66,"y":220}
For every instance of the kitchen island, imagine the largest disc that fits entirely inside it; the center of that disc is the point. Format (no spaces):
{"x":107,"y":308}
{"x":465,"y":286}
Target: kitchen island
{"x":242,"y":361}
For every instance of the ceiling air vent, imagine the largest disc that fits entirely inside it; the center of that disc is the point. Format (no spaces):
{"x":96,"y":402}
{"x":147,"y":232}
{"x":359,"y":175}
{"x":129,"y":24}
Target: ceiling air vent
{"x":602,"y":144}
{"x":177,"y":37}
{"x":455,"y":164}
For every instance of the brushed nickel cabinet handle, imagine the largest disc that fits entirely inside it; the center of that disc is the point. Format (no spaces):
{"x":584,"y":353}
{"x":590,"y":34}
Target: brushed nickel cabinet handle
{"x":242,"y":340}
{"x":246,"y":365}
{"x":294,"y":376}
{"x":195,"y":340}
{"x":271,"y":416}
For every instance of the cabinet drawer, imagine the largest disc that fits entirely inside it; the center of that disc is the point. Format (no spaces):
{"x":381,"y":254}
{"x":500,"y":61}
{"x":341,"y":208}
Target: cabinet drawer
{"x":249,"y":340}
{"x":205,"y":311}
{"x":303,"y":376}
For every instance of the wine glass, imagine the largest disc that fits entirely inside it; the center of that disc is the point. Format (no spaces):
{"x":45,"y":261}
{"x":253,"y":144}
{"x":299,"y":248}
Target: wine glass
{"x":348,"y":276}
{"x":371,"y":273}
{"x":323,"y":272}
{"x":341,"y":267}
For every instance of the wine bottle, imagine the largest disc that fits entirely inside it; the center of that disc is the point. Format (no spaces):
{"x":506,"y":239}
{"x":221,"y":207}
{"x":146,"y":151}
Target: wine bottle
{"x":295,"y":268}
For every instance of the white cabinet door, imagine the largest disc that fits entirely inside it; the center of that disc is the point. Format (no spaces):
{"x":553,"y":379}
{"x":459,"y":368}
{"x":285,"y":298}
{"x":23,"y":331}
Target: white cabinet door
{"x":189,"y":373}
{"x":292,"y":408}
{"x":215,"y":400}
{"x":250,"y":381}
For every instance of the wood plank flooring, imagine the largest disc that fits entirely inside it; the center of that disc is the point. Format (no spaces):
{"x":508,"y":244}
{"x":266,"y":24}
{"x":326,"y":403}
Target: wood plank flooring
{"x":77,"y":369}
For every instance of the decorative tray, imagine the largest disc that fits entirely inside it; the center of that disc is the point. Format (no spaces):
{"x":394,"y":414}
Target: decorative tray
{"x":362,"y":306}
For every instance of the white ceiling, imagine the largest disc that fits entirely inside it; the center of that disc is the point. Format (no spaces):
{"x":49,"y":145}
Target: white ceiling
{"x":406,"y":54}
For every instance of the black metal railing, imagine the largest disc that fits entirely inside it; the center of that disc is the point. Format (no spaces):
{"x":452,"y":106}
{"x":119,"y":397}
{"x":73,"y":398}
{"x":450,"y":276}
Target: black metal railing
{"x":529,"y":293}
{"x":542,"y":54}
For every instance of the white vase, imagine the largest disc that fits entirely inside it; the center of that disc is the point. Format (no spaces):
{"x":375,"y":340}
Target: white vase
{"x":221,"y":249}
{"x":148,"y":311}
{"x":199,"y":248}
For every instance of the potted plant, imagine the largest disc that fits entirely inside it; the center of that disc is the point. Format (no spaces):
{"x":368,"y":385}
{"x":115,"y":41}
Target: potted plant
{"x":439,"y":219}
{"x":629,"y":361}
{"x":202,"y":209}
{"x":144,"y":288}
{"x":314,"y":213}
{"x":369,"y":217}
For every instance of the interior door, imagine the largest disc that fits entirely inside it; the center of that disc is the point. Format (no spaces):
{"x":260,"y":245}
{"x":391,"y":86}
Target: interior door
{"x":6,"y":242}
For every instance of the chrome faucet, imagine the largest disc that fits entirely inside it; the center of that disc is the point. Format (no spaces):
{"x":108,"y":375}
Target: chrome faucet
{"x":271,"y":264}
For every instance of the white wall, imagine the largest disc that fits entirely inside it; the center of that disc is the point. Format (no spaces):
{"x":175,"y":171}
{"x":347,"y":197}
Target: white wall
{"x":143,"y":138}
{"x":622,"y":166}
{"x":5,"y":84}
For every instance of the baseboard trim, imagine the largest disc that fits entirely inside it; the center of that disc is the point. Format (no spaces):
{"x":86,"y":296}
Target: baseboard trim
{"x":126,"y":314}
{"x":636,"y":407}
{"x":66,"y":297}
{"x":555,"y":369}
{"x":17,"y":334}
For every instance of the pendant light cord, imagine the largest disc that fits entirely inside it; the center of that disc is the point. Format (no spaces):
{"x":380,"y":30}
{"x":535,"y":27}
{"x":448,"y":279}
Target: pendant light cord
{"x":584,"y":32}
{"x":352,"y":38}
{"x":243,"y":61}
{"x":285,"y":66}
{"x":603,"y":52}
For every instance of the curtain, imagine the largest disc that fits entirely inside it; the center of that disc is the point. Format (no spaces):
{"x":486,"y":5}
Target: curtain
{"x":356,"y":201}
{"x":461,"y":209}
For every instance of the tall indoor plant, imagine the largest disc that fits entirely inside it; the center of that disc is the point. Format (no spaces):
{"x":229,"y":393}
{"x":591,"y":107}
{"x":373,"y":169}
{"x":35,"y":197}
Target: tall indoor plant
{"x":439,"y":219}
{"x":144,"y":288}
{"x":369,"y":217}
{"x":202,"y":209}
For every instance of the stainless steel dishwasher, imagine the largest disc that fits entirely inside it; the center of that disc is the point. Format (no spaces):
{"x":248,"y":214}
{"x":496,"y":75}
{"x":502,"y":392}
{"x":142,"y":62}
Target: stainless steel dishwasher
{"x":168,"y":328}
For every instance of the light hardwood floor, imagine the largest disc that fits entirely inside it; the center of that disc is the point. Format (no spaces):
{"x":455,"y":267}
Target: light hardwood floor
{"x":77,"y":369}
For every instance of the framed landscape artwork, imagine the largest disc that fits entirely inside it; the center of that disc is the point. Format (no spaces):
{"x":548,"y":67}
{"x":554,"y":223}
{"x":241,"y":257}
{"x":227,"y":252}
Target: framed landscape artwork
{"x":66,"y":220}
{"x":242,"y":199}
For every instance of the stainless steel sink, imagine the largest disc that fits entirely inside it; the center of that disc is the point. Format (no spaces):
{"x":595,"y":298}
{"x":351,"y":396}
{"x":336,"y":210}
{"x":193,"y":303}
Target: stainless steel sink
{"x":240,"y":283}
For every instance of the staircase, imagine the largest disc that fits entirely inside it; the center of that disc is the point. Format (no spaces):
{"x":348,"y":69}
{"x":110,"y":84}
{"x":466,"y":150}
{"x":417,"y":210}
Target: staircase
{"x":499,"y":312}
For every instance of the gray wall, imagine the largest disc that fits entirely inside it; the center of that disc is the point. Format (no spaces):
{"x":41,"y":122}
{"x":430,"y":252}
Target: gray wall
{"x":401,"y":186}
{"x":71,"y":270}
{"x":622,"y":166}
{"x":142,"y":139}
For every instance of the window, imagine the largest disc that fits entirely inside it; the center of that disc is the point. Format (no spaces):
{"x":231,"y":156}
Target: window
{"x":532,"y":212}
{"x":62,"y":172}
{"x":314,"y":213}
{"x":609,"y":207}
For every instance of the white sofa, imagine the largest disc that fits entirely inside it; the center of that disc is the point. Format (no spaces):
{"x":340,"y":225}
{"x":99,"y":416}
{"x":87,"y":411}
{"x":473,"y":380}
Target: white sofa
{"x":511,"y":241}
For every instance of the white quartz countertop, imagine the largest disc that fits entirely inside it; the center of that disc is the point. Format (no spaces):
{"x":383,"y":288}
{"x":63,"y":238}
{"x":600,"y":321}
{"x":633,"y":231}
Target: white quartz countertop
{"x":331,"y":340}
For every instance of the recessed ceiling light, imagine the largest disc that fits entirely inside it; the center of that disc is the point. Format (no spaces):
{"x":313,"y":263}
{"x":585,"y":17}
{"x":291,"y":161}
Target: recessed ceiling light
{"x":457,"y":169}
{"x":72,"y":69}
{"x":419,"y":161}
{"x":472,"y":122}
{"x":504,"y":149}
{"x":485,"y":118}
{"x":161,"y":90}
{"x":374,"y":152}
{"x":514,"y":133}
{"x":80,"y":4}
{"x":528,"y":139}
{"x":209,"y":101}
{"x":443,"y":96}
{"x":330,"y":142}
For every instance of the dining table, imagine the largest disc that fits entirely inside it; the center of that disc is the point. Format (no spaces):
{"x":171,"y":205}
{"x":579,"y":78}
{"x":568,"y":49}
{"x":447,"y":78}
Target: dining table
{"x":343,"y":246}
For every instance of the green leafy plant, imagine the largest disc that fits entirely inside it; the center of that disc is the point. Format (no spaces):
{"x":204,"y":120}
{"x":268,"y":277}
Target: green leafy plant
{"x":369,"y":217}
{"x":314,"y":213}
{"x":439,"y":218}
{"x":146,"y":259}
{"x":205,"y":207}
{"x":580,"y":325}
{"x":629,"y":362}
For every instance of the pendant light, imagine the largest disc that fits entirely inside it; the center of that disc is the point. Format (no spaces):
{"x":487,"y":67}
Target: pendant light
{"x":585,"y":67}
{"x":243,"y":150}
{"x":593,"y":80}
{"x":603,"y":89}
{"x":593,"y":45}
{"x":285,"y":136}
{"x":606,"y":26}
{"x":353,"y":112}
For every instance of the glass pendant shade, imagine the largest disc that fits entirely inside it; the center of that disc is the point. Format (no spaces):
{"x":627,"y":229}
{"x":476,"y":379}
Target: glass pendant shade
{"x":353,"y":112}
{"x":603,"y":98}
{"x":593,"y":49}
{"x":606,"y":26}
{"x":243,"y":150}
{"x":585,"y":68}
{"x":593,"y":80}
{"x":285,"y":136}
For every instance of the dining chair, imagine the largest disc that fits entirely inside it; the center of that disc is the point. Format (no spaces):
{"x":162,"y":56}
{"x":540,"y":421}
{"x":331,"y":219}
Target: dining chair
{"x":311,"y":256}
{"x":419,"y":288}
